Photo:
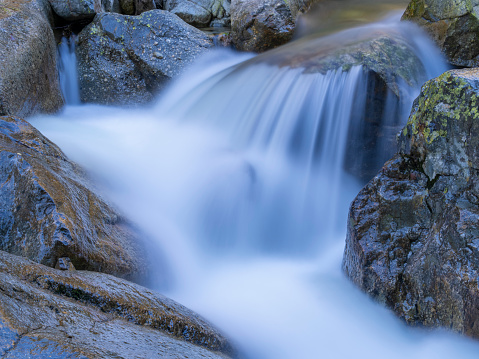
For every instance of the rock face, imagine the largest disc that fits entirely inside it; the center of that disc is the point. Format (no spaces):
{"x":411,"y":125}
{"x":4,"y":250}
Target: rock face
{"x":28,"y":74}
{"x":200,"y":13}
{"x":128,"y":59}
{"x":48,"y":210}
{"x":45,"y":312}
{"x":413,"y":231}
{"x":454,"y":25}
{"x":260,"y":25}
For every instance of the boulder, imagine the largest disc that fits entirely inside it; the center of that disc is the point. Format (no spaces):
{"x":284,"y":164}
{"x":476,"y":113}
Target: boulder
{"x":260,"y":25}
{"x":454,"y":26}
{"x":412,"y":240}
{"x":73,"y":10}
{"x":49,"y":210}
{"x":28,"y":71}
{"x":126,"y":60}
{"x":199,"y":13}
{"x":45,"y":313}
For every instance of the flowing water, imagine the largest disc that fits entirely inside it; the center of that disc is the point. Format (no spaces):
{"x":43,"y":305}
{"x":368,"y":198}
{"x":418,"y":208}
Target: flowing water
{"x":237,"y":174}
{"x":67,"y":69}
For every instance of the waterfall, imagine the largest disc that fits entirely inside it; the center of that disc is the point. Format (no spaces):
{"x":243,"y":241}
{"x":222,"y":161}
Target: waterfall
{"x":242,"y":174}
{"x":67,"y":66}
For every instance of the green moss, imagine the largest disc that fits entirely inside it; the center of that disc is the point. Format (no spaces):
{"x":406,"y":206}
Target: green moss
{"x":443,"y":99}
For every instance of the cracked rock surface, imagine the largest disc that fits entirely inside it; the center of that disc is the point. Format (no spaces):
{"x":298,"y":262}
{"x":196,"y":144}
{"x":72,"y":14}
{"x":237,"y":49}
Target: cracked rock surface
{"x":413,"y":231}
{"x":49,"y":313}
{"x":126,"y":60}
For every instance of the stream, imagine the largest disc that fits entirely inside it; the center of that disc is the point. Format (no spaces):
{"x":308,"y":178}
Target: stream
{"x":236,"y":177}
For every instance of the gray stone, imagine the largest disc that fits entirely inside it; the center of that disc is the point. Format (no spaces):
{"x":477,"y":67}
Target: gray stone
{"x":116,"y":55}
{"x":412,"y":239}
{"x":49,"y":209}
{"x":28,"y":73}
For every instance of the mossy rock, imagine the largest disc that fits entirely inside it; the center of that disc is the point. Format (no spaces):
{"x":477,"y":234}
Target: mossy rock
{"x":412,"y":231}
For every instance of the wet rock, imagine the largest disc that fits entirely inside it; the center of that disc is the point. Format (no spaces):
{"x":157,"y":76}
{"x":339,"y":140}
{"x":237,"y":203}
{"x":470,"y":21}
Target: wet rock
{"x":116,"y":55}
{"x":48,"y":209}
{"x":412,"y":231}
{"x":454,"y":26}
{"x":46,"y":313}
{"x":260,"y":25}
{"x":28,"y":74}
{"x":199,"y":13}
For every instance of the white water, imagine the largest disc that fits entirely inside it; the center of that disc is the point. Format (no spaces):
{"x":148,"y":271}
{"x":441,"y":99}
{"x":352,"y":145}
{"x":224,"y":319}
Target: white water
{"x":67,"y":66}
{"x":236,"y":173}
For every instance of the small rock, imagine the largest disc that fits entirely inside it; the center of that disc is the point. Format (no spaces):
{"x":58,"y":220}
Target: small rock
{"x":64,"y":264}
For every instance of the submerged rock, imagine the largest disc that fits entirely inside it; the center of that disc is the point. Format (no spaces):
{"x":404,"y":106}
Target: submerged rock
{"x":391,"y":68}
{"x":126,"y":60}
{"x":454,"y":26}
{"x":45,"y":312}
{"x":412,"y":239}
{"x":261,"y":25}
{"x":199,"y":13}
{"x":48,"y":209}
{"x":28,"y":74}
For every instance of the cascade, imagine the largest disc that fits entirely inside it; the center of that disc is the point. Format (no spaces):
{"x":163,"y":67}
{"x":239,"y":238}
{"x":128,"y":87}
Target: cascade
{"x":240,"y":175}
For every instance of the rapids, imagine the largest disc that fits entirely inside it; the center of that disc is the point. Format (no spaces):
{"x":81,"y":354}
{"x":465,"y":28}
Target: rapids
{"x":236,"y":176}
